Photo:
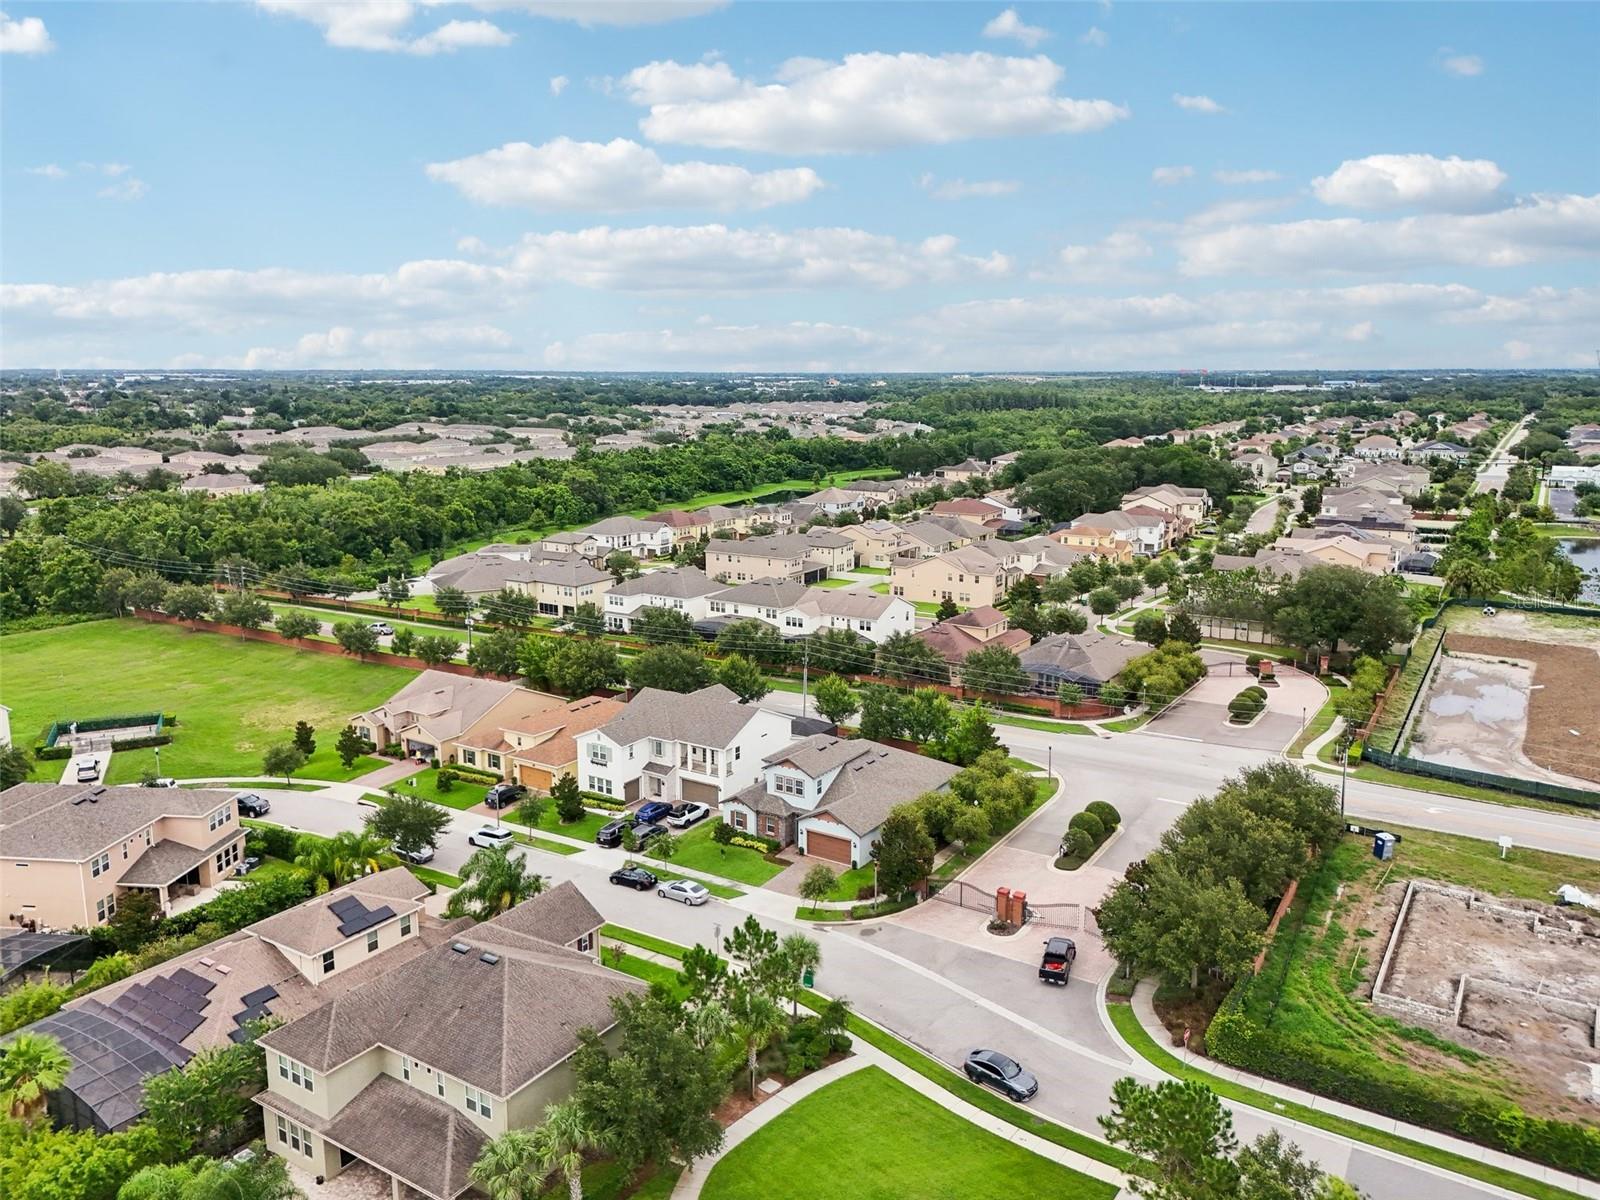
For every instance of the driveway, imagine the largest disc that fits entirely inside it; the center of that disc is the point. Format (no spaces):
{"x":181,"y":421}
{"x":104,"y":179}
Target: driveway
{"x":1202,"y":714}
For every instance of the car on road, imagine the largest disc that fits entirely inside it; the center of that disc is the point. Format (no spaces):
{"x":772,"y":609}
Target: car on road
{"x":684,"y":815}
{"x":609,"y":835}
{"x":1005,"y":1075}
{"x":89,"y":771}
{"x":247,"y":864}
{"x":650,"y":813}
{"x":1056,"y":965}
{"x":645,"y":834}
{"x":423,"y":854}
{"x":636,"y":878}
{"x":490,"y":837}
{"x":684,"y":891}
{"x":252,"y":805}
{"x":382,"y":628}
{"x":503,"y":795}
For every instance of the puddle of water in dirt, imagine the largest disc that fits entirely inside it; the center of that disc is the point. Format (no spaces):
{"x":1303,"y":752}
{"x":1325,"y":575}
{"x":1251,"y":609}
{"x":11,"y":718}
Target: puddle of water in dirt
{"x":1486,"y":702}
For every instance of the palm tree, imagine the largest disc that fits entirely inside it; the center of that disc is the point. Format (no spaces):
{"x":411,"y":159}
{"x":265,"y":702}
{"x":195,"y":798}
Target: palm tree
{"x":358,"y":853}
{"x":1472,"y":577}
{"x":319,"y":857}
{"x":492,"y":881}
{"x":758,"y":1019}
{"x":562,"y":1141}
{"x":31,"y":1067}
{"x":508,"y":1167}
{"x":800,"y":954}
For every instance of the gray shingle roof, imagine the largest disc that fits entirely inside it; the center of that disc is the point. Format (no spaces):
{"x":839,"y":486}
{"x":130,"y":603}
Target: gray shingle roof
{"x":562,"y":915}
{"x":773,"y":593}
{"x":450,"y":703}
{"x":612,"y":526}
{"x":167,"y":860}
{"x":679,"y":582}
{"x":872,"y":777}
{"x":313,"y":927}
{"x":76,"y":821}
{"x":712,"y":716}
{"x":1091,"y":657}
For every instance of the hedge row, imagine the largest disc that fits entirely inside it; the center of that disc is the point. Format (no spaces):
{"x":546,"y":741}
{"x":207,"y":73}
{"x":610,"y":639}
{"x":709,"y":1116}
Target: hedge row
{"x":609,"y":803}
{"x":1234,"y":1038}
{"x":469,"y":774}
{"x":1086,"y":831}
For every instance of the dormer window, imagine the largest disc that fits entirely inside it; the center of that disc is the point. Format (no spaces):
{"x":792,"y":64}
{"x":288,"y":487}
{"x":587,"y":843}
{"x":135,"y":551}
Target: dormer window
{"x":788,"y":785}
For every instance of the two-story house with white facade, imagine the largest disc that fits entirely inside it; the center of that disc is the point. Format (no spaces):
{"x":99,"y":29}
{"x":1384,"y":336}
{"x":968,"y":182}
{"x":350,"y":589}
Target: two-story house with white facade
{"x":415,"y":1071}
{"x":666,"y":746}
{"x":684,"y":589}
{"x":795,"y":610}
{"x":829,"y":795}
{"x":640,"y":538}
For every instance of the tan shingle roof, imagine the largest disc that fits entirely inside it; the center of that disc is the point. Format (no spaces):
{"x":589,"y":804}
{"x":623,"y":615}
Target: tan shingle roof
{"x":76,"y":821}
{"x":313,"y":927}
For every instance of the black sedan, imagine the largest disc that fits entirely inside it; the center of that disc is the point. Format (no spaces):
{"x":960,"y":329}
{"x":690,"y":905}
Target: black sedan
{"x":1004,"y":1075}
{"x":637,"y":878}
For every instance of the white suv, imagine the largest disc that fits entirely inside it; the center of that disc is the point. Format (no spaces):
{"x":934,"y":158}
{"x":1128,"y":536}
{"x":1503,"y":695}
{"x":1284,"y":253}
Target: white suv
{"x":491,"y":838}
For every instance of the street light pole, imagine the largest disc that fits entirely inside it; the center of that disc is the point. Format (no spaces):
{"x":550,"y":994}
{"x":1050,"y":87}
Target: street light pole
{"x":469,"y":623}
{"x":1344,"y":775}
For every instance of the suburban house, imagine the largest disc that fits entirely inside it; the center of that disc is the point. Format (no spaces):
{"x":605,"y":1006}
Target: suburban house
{"x":684,"y":589}
{"x":413,"y":1072}
{"x":1364,"y":500}
{"x":974,"y":629}
{"x":478,"y":574}
{"x":1192,"y":504}
{"x":1143,"y":530}
{"x":1377,"y":445}
{"x":1108,"y":539}
{"x":973,"y":576}
{"x":672,"y":747}
{"x":970,"y":507}
{"x":278,"y":969}
{"x":1400,"y":479}
{"x":559,"y":584}
{"x":229,"y":484}
{"x":1263,"y":468}
{"x":877,"y":543}
{"x":1087,"y":659}
{"x":537,"y":749}
{"x":829,"y":795}
{"x":795,"y":610}
{"x":879,"y":492}
{"x":1043,"y":557}
{"x":806,"y":557}
{"x":961,"y":472}
{"x":1440,"y":452}
{"x":1289,"y":557}
{"x":937,"y":534}
{"x":70,"y":852}
{"x":685,"y":526}
{"x":431,"y":712}
{"x":640,"y":538}
{"x":838,"y":500}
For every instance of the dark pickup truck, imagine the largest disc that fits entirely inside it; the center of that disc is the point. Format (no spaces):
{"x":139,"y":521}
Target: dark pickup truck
{"x":1056,"y":965}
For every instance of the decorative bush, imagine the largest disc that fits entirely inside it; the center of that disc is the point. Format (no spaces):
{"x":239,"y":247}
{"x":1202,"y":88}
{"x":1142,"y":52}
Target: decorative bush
{"x":1090,"y":824}
{"x":447,"y":781}
{"x":609,"y":803}
{"x":1109,"y":817}
{"x":722,"y":833}
{"x":1247,"y":704}
{"x":470,"y":774}
{"x":1078,"y":844}
{"x":765,"y":845}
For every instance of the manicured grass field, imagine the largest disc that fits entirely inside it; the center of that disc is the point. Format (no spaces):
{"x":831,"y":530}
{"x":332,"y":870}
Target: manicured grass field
{"x":899,"y":1145}
{"x":583,"y":829}
{"x":1319,"y":724}
{"x":233,"y":699}
{"x":835,"y":583}
{"x":870,"y":570}
{"x":698,"y":851}
{"x":461,"y":796}
{"x":851,"y":882}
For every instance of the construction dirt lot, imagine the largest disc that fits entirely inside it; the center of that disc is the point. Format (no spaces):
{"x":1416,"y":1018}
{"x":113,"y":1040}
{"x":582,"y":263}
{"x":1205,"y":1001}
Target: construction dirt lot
{"x":1516,"y":694}
{"x":1532,"y":990}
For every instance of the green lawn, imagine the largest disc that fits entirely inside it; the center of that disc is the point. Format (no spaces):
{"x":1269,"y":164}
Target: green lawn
{"x":549,"y":847}
{"x":881,"y":588}
{"x":271,"y":868}
{"x":1319,"y":724}
{"x":279,"y":784}
{"x":583,"y":829}
{"x":851,"y":882}
{"x":645,"y":941}
{"x":900,"y":1144}
{"x":869,"y":570}
{"x":437,"y":878}
{"x":1064,"y":727}
{"x":835,"y":583}
{"x":698,"y":851}
{"x":233,"y":698}
{"x":461,"y":796}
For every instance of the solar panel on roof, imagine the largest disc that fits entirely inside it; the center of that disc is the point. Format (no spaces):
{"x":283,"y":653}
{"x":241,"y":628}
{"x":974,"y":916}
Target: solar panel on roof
{"x":260,"y":996}
{"x":345,"y":905}
{"x":240,"y":1035}
{"x":195,"y":983}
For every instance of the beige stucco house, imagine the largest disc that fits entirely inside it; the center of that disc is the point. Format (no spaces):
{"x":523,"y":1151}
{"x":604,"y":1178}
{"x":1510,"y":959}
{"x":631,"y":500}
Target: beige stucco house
{"x":69,"y":852}
{"x":537,"y":749}
{"x":974,"y":576}
{"x":430,"y":714}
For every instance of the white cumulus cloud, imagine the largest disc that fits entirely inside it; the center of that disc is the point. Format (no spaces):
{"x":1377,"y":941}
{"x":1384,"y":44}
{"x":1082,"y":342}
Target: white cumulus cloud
{"x":615,"y":176}
{"x":385,"y":25}
{"x":1094,"y":36}
{"x":1463,"y":66}
{"x":1199,"y":104}
{"x":863,"y":102}
{"x":794,"y":346}
{"x":1105,"y":261}
{"x":558,"y":84}
{"x":126,"y":188}
{"x":1413,"y":181}
{"x":47,"y":171}
{"x":25,"y":35}
{"x":1167,"y":176}
{"x":1009,"y":25}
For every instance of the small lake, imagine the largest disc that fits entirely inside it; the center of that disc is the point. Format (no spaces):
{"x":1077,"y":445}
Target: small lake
{"x":1585,"y":553}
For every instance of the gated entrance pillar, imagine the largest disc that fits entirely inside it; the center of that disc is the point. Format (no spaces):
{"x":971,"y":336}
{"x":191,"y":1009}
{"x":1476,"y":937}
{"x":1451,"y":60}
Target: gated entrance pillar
{"x":1002,"y":903}
{"x":1019,"y":907}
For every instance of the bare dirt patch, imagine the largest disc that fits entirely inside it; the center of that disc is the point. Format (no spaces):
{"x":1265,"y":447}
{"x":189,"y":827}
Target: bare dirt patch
{"x":1561,"y":701}
{"x":1513,"y":979}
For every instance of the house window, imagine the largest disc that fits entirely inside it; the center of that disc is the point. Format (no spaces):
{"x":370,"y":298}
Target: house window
{"x":470,"y":757}
{"x":788,"y":785}
{"x":105,"y":908}
{"x":794,"y":622}
{"x":771,"y":826}
{"x":372,"y":940}
{"x":220,"y":817}
{"x":293,"y":1136}
{"x":586,"y":942}
{"x":738,"y":819}
{"x":438,"y":1084}
{"x":100,"y":864}
{"x":405,"y":925}
{"x":478,"y":1102}
{"x":600,"y":756}
{"x":295,"y":1073}
{"x":494,"y":762}
{"x":405,"y":1068}
{"x":600,"y":784}
{"x":327,"y":962}
{"x":658,"y":749}
{"x":227,"y":858}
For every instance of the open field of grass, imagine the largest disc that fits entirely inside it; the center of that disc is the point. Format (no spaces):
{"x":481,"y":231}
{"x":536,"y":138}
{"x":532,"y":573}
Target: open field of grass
{"x":698,"y":851}
{"x":900,"y":1144}
{"x":233,"y":699}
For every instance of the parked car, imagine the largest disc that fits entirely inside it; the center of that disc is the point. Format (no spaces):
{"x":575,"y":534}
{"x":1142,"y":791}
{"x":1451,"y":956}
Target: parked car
{"x":609,"y":835}
{"x":645,"y":834}
{"x":490,"y":837}
{"x":1004,"y":1075}
{"x":1056,"y":965}
{"x":89,"y":771}
{"x":382,"y":628}
{"x":684,"y":815}
{"x":423,"y":854}
{"x":163,"y":783}
{"x":503,"y":795}
{"x":684,"y":891}
{"x":247,"y":864}
{"x":636,"y":878}
{"x":650,"y":813}
{"x":252,"y":805}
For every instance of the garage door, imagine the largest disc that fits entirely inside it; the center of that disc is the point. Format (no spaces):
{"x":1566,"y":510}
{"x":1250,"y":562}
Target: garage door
{"x":834,"y":849}
{"x":695,"y":792}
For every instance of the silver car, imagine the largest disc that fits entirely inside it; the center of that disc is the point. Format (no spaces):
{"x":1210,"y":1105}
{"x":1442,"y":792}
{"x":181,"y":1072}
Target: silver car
{"x":684,"y":891}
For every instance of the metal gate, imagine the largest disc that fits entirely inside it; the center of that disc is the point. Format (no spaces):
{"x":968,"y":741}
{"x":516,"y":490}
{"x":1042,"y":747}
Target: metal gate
{"x":964,"y":895}
{"x":1074,"y":917}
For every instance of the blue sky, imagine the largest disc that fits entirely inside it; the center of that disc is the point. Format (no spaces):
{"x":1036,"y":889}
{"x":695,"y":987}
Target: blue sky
{"x":798,"y":186}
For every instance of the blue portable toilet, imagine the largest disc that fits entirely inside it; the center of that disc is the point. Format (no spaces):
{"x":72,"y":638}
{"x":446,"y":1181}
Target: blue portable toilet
{"x":1383,"y":846}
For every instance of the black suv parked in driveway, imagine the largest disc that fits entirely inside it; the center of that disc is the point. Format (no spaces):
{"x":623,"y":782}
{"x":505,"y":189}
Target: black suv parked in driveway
{"x":1056,"y":965}
{"x":503,"y":795}
{"x":609,"y":835}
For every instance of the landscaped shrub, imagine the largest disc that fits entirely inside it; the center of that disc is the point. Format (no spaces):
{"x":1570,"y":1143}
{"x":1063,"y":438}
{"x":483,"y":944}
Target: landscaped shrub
{"x":274,"y":840}
{"x":393,"y":750}
{"x":140,"y":743}
{"x":722,"y":833}
{"x":52,"y":753}
{"x":752,"y":841}
{"x":1109,"y":817}
{"x":446,"y":781}
{"x":470,"y":774}
{"x":1090,"y":824}
{"x":596,"y":800}
{"x":1077,"y":844}
{"x":1247,"y":704}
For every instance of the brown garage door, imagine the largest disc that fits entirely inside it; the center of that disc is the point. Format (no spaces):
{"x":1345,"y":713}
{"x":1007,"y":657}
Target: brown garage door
{"x":693,"y":791}
{"x":823,"y":845}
